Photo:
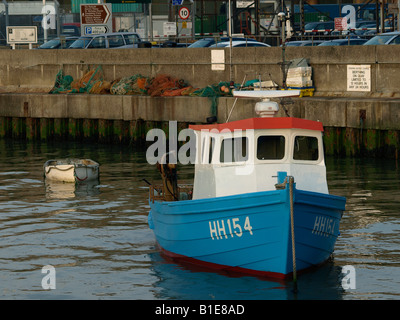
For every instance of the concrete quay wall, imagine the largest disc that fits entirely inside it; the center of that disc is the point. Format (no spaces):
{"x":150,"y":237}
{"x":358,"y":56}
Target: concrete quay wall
{"x":353,"y":127}
{"x":35,"y":70}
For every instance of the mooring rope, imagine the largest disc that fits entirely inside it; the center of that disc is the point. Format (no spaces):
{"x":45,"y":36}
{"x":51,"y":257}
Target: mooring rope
{"x":76,"y":176}
{"x":66,"y":169}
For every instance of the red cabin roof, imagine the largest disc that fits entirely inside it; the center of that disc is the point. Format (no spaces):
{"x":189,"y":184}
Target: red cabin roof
{"x":263,"y":123}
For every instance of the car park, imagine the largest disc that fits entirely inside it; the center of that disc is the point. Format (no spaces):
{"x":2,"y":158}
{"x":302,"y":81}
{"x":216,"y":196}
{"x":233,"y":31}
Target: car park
{"x":108,"y":40}
{"x":239,"y":44}
{"x":343,"y":42}
{"x":303,"y":43}
{"x":206,"y":42}
{"x":385,"y":38}
{"x":58,"y":43}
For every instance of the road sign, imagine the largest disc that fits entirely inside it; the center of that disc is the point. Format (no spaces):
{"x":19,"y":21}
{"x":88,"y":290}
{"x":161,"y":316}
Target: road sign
{"x":177,"y":2}
{"x":21,"y":34}
{"x":98,"y":17}
{"x":340,"y":24}
{"x":184,"y":13}
{"x":96,"y":29}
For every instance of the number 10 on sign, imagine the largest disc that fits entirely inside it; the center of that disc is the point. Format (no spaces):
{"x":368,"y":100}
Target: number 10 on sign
{"x":184,"y":13}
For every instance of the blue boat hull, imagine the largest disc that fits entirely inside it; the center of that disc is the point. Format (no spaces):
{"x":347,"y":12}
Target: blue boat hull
{"x":250,"y":233}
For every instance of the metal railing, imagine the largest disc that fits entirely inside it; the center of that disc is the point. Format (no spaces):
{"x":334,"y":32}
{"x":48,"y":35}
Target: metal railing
{"x":273,"y":40}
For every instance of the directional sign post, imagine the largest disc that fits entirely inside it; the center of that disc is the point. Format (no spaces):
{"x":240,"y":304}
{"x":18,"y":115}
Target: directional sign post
{"x":96,"y":18}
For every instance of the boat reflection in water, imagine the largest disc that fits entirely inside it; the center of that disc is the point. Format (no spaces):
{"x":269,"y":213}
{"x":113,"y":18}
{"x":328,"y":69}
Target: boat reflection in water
{"x":60,"y":190}
{"x":176,"y":281}
{"x":260,"y":203}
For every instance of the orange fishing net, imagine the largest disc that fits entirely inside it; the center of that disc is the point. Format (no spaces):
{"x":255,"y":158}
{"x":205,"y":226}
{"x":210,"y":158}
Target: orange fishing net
{"x":163,"y":83}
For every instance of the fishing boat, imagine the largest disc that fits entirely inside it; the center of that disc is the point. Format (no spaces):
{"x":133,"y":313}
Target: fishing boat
{"x":259,"y":203}
{"x":71,"y":170}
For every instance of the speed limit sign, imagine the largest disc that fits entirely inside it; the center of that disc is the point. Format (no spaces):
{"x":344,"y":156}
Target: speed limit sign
{"x":184,"y":13}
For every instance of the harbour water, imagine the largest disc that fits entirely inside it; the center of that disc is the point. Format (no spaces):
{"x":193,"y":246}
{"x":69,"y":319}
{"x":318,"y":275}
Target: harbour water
{"x":96,"y":237}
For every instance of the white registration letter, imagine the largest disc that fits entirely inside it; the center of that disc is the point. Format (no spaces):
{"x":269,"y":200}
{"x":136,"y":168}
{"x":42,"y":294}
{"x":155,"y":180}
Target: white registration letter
{"x":237,"y":226}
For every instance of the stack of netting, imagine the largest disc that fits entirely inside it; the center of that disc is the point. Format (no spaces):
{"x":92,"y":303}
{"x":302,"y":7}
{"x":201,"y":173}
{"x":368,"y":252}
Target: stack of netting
{"x":213,"y":92}
{"x":62,"y":83}
{"x":130,"y":85}
{"x":161,"y":85}
{"x":167,"y":86}
{"x":91,"y":82}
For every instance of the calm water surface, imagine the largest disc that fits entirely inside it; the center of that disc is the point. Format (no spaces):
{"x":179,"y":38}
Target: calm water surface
{"x":97,"y":238}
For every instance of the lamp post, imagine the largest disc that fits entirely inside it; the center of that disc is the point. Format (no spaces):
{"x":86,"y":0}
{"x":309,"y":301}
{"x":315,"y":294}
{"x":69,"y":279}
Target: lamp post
{"x":282,"y":19}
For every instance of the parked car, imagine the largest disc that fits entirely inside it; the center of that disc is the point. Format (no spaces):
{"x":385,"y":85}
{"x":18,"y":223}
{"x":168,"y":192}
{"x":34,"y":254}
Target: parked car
{"x":303,"y":43}
{"x":364,"y":23}
{"x":71,"y":29}
{"x":170,"y":44}
{"x":343,"y":42}
{"x":58,"y":43}
{"x":239,"y":44}
{"x":108,"y":40}
{"x":206,"y":42}
{"x":319,"y":28}
{"x":385,"y":38}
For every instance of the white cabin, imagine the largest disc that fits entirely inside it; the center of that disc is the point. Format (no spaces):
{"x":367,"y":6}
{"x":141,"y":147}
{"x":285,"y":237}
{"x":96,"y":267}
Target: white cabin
{"x":245,"y":156}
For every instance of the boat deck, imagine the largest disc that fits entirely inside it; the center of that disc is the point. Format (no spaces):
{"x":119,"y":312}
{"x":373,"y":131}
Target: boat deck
{"x":157,"y":192}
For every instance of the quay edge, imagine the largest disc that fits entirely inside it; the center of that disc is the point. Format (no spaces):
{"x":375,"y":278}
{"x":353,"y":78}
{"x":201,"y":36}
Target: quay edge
{"x":353,"y":126}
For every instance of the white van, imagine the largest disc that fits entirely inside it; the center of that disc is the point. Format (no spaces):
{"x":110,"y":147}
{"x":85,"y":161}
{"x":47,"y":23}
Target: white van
{"x":108,"y":40}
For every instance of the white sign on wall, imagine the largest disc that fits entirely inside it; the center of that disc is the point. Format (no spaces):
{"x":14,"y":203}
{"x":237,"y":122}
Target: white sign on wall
{"x":358,"y":77}
{"x":169,"y":28}
{"x":217,"y":60}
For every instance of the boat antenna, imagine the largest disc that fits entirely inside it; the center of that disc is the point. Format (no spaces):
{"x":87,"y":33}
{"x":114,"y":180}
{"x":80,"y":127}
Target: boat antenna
{"x":234,"y":103}
{"x":283,"y":102}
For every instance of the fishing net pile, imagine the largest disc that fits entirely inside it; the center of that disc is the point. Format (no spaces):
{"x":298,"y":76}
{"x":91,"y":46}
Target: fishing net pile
{"x":91,"y":82}
{"x":161,"y":85}
{"x":213,"y":92}
{"x":130,"y":85}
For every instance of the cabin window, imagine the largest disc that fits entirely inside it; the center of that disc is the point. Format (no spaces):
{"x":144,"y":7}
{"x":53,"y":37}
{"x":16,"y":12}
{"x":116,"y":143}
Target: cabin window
{"x":207,"y":158}
{"x":234,"y":150}
{"x":305,"y":148}
{"x":270,"y":147}
{"x":211,"y":149}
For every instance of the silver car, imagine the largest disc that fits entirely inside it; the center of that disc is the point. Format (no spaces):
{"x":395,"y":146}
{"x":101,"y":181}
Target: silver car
{"x":385,"y":38}
{"x":107,"y":40}
{"x":239,"y":44}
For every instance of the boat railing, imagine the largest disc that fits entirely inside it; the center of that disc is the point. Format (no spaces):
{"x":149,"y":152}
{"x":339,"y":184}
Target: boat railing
{"x":157,"y":192}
